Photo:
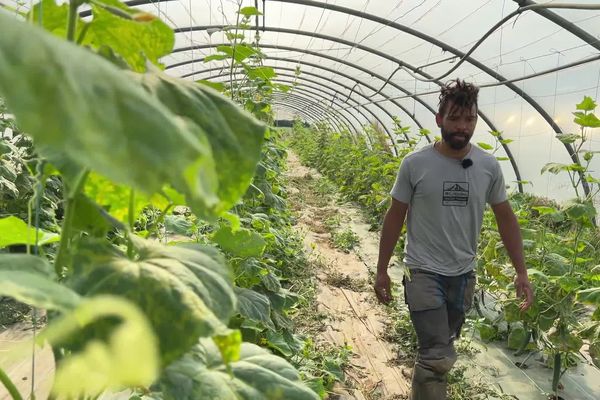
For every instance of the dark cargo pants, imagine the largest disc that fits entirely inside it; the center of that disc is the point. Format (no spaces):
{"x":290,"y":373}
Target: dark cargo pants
{"x":437,"y":306}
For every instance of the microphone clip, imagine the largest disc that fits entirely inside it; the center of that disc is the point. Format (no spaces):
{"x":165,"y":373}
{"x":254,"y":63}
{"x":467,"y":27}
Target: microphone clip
{"x":466,"y":163}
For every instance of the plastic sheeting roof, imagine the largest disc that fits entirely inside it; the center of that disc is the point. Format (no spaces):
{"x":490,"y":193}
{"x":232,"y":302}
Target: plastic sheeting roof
{"x":347,"y":49}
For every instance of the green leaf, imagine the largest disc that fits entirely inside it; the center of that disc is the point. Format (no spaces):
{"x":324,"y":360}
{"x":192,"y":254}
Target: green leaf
{"x":506,"y":141}
{"x":54,"y":17}
{"x":14,"y":231}
{"x":554,"y":168}
{"x":99,"y":118}
{"x":586,"y":120}
{"x":134,"y":41}
{"x":255,"y":306}
{"x":282,"y":88}
{"x":235,"y":138}
{"x":495,"y":133}
{"x":581,"y":210}
{"x":128,"y":358}
{"x":516,"y":337}
{"x":258,"y":375}
{"x":249,"y":11}
{"x":216,"y":57}
{"x":487,"y":332}
{"x":234,"y":36}
{"x":543,"y":210}
{"x":589,"y":296}
{"x":576,"y":167}
{"x":588,"y":104}
{"x":242,"y":243}
{"x":512,"y":313}
{"x":266,"y":73}
{"x":502,"y":158}
{"x":26,"y":263}
{"x":114,"y":198}
{"x":37,"y":290}
{"x":218,"y":86}
{"x":242,"y":51}
{"x":588,"y":155}
{"x":178,"y":224}
{"x":185,"y":293}
{"x":485,"y":146}
{"x":229,"y":345}
{"x":568,"y":138}
{"x":90,"y":218}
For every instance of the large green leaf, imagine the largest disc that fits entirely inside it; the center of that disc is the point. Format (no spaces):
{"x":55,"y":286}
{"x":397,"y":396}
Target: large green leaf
{"x":239,"y":52}
{"x":258,"y":375}
{"x":242,"y":243}
{"x":26,"y":263}
{"x":254,"y":306}
{"x":14,"y":231}
{"x":586,"y":120}
{"x":235,"y":136}
{"x":135,"y":41}
{"x":588,"y":104}
{"x":185,"y":293}
{"x":54,"y":17}
{"x":81,"y":110}
{"x":37,"y":290}
{"x":115,"y":198}
{"x":590,"y":296}
{"x":128,"y":358}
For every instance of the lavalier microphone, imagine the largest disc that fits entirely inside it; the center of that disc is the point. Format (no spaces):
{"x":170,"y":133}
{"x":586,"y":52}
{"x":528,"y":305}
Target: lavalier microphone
{"x":466,"y":163}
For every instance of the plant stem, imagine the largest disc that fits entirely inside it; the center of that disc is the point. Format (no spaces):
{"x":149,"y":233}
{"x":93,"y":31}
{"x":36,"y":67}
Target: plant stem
{"x":10,"y":386}
{"x":237,"y":25}
{"x":575,"y":252}
{"x":72,"y":22}
{"x":556,"y":374}
{"x":65,"y":235}
{"x":131,"y":223}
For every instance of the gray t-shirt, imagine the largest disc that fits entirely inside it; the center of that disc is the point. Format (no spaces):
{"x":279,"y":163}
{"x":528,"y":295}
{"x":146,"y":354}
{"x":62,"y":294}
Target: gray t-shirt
{"x":446,"y":205}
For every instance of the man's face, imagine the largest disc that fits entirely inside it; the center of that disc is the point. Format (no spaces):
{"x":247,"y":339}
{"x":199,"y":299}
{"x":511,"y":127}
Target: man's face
{"x":457,"y":125}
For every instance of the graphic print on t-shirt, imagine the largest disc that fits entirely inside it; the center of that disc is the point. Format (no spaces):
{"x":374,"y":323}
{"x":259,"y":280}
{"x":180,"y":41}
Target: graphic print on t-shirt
{"x":456,"y":194}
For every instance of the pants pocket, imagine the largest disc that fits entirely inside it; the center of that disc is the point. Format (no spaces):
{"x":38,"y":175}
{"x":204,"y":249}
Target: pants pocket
{"x":423,"y":291}
{"x":470,"y":290}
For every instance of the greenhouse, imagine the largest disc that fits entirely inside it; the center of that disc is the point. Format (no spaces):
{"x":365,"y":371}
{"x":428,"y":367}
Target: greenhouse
{"x":299,"y":199}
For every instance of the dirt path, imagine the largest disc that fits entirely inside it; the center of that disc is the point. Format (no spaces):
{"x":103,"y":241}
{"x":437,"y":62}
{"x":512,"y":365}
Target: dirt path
{"x":344,"y":293}
{"x":18,"y":367}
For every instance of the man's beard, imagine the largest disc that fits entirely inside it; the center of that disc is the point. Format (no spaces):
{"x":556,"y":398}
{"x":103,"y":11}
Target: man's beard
{"x":455,"y":140}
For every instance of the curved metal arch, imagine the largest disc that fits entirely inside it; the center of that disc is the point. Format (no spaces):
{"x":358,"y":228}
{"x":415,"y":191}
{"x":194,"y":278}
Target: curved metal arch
{"x":322,"y":110}
{"x":130,"y":3}
{"x":305,"y":102}
{"x":297,"y":109}
{"x":332,"y":98}
{"x":563,"y":23}
{"x":276,"y":67}
{"x":417,"y":98}
{"x":331,"y":113}
{"x":451,"y":49}
{"x":395,"y":102}
{"x":316,"y":54}
{"x":302,"y":103}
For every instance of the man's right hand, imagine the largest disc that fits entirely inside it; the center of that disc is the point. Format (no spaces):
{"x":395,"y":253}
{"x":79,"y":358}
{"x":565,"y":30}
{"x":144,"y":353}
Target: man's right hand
{"x":383,"y":287}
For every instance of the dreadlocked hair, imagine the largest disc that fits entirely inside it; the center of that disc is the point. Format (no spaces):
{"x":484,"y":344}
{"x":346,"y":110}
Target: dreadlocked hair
{"x":460,"y":93}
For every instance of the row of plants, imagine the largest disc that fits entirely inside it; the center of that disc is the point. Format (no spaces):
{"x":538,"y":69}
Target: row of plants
{"x":123,"y":144}
{"x":561,"y":241}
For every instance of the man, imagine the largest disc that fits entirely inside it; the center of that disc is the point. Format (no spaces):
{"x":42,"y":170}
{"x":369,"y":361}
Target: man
{"x":444,"y":188}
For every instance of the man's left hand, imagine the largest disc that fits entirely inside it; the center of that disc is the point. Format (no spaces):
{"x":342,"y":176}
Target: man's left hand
{"x":524,"y":291}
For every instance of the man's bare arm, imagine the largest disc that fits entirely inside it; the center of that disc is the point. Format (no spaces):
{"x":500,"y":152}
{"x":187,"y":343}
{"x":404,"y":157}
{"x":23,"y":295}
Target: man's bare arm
{"x":509,"y":230}
{"x":390,"y":232}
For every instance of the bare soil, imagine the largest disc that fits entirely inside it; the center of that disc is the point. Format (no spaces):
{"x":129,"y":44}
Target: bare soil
{"x":344,"y":290}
